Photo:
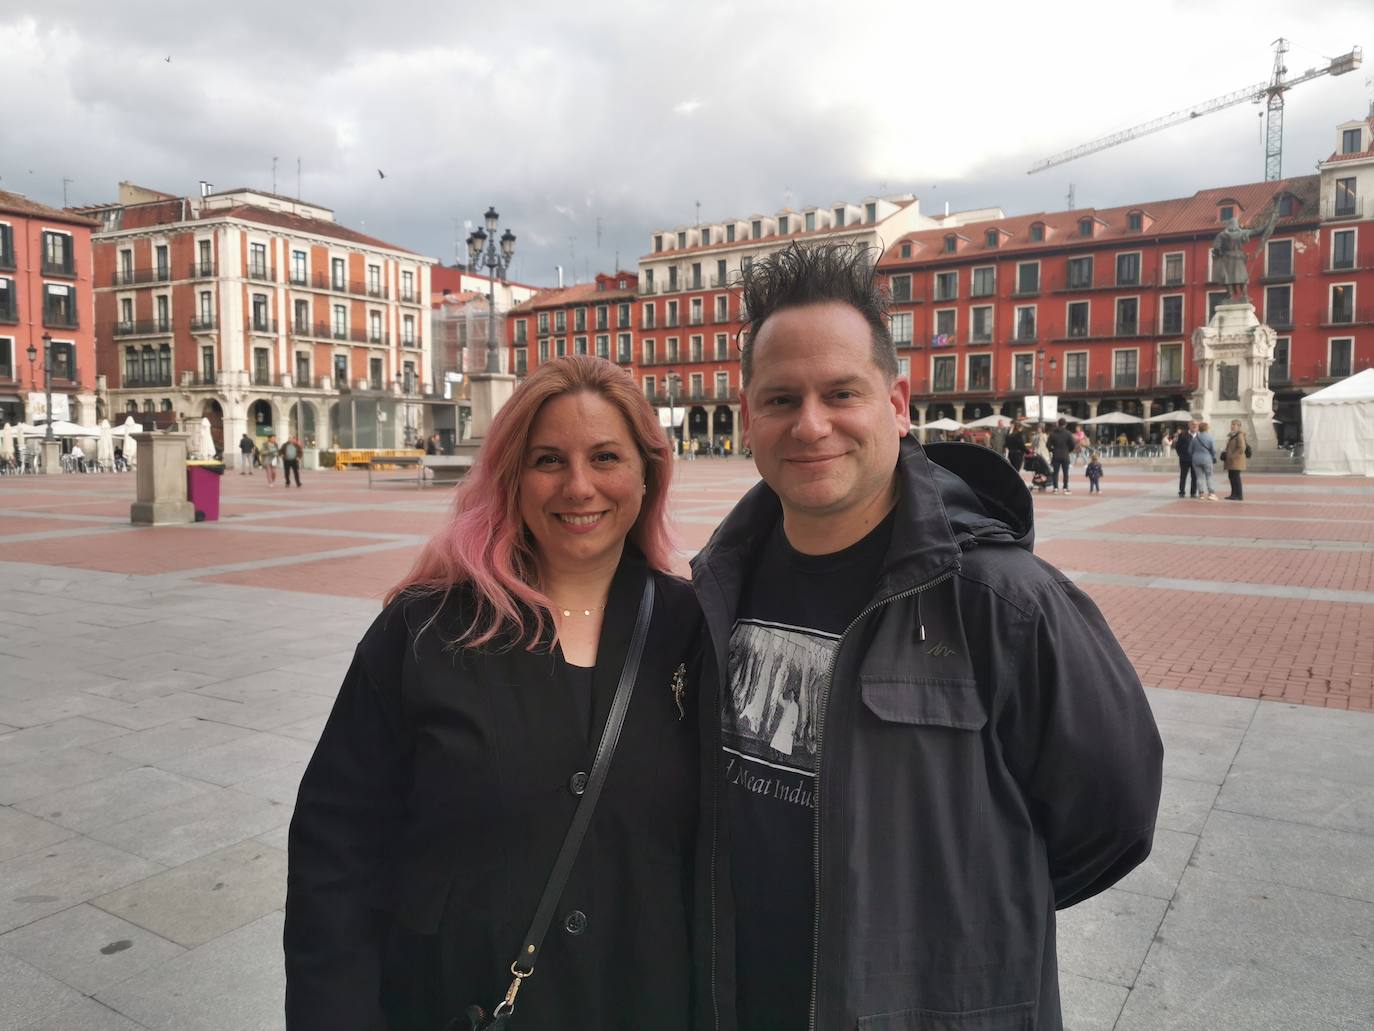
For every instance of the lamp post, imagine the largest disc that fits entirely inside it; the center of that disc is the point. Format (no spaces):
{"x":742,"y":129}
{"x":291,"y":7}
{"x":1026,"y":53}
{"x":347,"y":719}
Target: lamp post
{"x":672,"y":421}
{"x":47,"y":378}
{"x":1040,"y":366}
{"x":484,"y":252}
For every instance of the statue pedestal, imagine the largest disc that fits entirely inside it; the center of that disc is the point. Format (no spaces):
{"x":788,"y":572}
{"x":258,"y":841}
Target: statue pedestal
{"x":1232,"y":354}
{"x":490,"y":390}
{"x":51,"y":450}
{"x":161,"y":480}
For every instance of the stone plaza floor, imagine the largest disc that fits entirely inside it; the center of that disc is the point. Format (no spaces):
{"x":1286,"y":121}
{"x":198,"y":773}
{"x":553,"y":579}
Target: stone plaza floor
{"x":161,"y":691}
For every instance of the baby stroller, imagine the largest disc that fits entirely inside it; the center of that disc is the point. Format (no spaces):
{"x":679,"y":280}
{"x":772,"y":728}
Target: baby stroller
{"x":1040,"y":472}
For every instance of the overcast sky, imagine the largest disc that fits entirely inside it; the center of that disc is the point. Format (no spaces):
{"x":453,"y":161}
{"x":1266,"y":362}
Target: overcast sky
{"x":590,"y":124}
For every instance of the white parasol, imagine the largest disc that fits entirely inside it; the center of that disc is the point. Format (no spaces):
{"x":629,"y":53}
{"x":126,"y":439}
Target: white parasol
{"x":128,"y":428}
{"x":205,"y":441}
{"x":1179,"y":416}
{"x":1114,"y":419}
{"x":104,"y":446}
{"x":6,"y":440}
{"x":943,"y":424}
{"x":988,"y":421}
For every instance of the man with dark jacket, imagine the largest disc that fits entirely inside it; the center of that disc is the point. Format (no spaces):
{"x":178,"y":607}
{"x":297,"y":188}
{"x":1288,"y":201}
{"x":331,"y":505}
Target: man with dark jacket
{"x":1061,"y":445}
{"x":1183,"y":447}
{"x":918,"y":740}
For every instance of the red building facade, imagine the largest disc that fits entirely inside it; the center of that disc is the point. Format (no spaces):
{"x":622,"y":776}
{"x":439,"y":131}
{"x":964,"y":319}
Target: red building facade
{"x":46,"y":289}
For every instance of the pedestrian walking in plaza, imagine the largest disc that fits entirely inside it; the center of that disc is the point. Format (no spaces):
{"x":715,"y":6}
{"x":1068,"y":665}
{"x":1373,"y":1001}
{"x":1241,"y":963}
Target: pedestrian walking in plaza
{"x":1235,"y":456}
{"x":246,"y":449}
{"x":919,"y":741}
{"x":291,"y":453}
{"x":1183,"y":447}
{"x":1204,"y":455}
{"x":1061,"y":445}
{"x":1016,"y":445}
{"x":1080,"y":445}
{"x":270,"y":453}
{"x":997,"y":439}
{"x":432,"y":445}
{"x":465,"y":741}
{"x":1094,"y":473}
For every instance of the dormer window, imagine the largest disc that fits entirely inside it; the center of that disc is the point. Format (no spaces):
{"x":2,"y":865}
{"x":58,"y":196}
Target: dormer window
{"x":951,"y":244}
{"x":1037,"y":232}
{"x":658,"y":242}
{"x":992,"y":237}
{"x":1288,"y":205}
{"x":783,"y":225}
{"x":1350,"y":141}
{"x":871,"y":211}
{"x":1085,"y":227}
{"x":810,"y":221}
{"x":1135,"y":221}
{"x":757,"y":229}
{"x":706,"y":236}
{"x":839,"y":218}
{"x":1226,"y":212}
{"x":906,"y":250}
{"x":682,"y":239}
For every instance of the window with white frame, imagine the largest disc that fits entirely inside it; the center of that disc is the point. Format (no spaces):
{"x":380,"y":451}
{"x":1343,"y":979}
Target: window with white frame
{"x":1023,"y":371}
{"x":257,"y":260}
{"x":696,"y":313}
{"x":543,"y":351}
{"x":901,"y":288}
{"x":1342,"y":310}
{"x":1278,"y":370}
{"x":650,"y":349}
{"x":1340,"y":357}
{"x":1127,"y":316}
{"x":1124,"y":363}
{"x":560,"y":321}
{"x":579,"y":319}
{"x":1078,"y":314}
{"x":722,"y":385}
{"x":984,"y":283}
{"x":695,"y":348}
{"x":374,"y":327}
{"x":904,"y":368}
{"x":603,"y":345}
{"x":722,"y":347}
{"x":579,"y":345}
{"x":1076,"y":370}
{"x":979,"y":372}
{"x":300,"y":317}
{"x":649,"y":315}
{"x":1215,"y":298}
{"x":946,"y":326}
{"x":1278,"y":305}
{"x":560,"y":346}
{"x":942,"y":369}
{"x":698,"y":386}
{"x":407,"y":285}
{"x":1278,"y":258}
{"x":649,"y":385}
{"x":297,"y":267}
{"x":1128,"y":269}
{"x":1169,"y":365}
{"x":522,"y":361}
{"x":6,"y":358}
{"x":1079,"y":273}
{"x":624,"y":351}
{"x":126,"y":314}
{"x":340,"y":321}
{"x":980,"y":324}
{"x":1173,"y":268}
{"x":946,"y":286}
{"x":722,"y":308}
{"x":672,"y":349}
{"x":1028,"y":277}
{"x":900,"y":323}
{"x":1343,"y":249}
{"x":1171,"y":313}
{"x":1025,"y":322}
{"x":338,"y":274}
{"x":374,"y":281}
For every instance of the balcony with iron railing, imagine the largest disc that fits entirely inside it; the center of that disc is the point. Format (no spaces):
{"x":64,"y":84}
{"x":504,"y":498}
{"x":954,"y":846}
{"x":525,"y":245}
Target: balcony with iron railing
{"x":1102,"y":329}
{"x":1342,"y":208}
{"x":157,"y":379}
{"x":204,"y":323}
{"x":59,"y":319}
{"x":143,"y":328}
{"x":1348,"y":317}
{"x":202,"y":270}
{"x":262,"y":325}
{"x":261,"y":273}
{"x":204,"y":378}
{"x":65,"y":269}
{"x":140,"y":276}
{"x":1008,"y":386}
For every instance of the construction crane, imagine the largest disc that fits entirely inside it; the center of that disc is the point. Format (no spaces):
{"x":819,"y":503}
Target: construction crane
{"x":1269,"y":93}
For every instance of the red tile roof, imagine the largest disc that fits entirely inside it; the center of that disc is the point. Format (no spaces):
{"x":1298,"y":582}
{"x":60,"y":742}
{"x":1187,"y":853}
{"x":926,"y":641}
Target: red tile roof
{"x":582,"y":293}
{"x":299,"y":224}
{"x":17,"y":204}
{"x":1195,"y":214}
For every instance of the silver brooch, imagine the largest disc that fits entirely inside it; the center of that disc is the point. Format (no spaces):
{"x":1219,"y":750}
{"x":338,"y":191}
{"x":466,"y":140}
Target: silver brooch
{"x":679,"y":686}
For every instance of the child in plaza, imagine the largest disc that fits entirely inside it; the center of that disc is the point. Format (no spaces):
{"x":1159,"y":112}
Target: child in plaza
{"x":1094,"y":473}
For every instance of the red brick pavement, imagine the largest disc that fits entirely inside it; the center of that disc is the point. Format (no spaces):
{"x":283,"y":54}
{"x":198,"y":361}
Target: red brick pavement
{"x":1313,"y":652}
{"x":355,"y":576}
{"x":1337,"y":570}
{"x":1246,"y":529}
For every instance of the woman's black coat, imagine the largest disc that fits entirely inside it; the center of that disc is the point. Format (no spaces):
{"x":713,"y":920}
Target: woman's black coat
{"x":429,"y":818}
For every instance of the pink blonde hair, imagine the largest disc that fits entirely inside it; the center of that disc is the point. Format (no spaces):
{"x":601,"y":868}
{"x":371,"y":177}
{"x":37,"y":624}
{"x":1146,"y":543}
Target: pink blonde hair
{"x":485,"y":544}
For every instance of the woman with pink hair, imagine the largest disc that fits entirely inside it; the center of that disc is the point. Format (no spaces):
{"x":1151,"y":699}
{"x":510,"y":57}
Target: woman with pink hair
{"x":449,"y":772}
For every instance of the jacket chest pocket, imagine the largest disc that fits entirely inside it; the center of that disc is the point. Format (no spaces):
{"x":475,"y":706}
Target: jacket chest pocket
{"x":952,"y":703}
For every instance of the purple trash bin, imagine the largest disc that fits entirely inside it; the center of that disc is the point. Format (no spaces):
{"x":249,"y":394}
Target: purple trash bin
{"x":202,"y":489}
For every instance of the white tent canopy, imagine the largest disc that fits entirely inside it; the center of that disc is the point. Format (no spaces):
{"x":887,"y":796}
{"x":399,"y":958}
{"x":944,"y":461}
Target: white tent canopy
{"x":988,"y":421}
{"x":943,"y":424}
{"x":1113,"y":419}
{"x":1179,"y":416}
{"x":1338,"y":428}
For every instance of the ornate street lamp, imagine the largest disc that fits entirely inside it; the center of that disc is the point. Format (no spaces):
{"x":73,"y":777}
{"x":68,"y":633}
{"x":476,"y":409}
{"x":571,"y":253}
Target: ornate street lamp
{"x":1040,"y":367}
{"x":485,"y":251}
{"x":47,"y":377}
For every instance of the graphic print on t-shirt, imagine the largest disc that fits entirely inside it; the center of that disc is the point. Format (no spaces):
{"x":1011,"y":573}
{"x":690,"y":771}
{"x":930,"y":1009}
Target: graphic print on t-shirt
{"x":769,"y":717}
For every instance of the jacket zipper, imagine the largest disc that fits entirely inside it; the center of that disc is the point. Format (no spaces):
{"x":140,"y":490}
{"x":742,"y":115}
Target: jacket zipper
{"x":821,"y":704}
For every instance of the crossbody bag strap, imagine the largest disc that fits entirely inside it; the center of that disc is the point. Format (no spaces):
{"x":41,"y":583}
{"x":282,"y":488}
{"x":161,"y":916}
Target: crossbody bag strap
{"x":523,"y":966}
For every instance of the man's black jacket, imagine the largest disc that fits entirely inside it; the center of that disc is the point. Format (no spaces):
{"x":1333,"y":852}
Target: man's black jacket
{"x":985,"y":756}
{"x":1183,"y":446}
{"x":1061,"y":442}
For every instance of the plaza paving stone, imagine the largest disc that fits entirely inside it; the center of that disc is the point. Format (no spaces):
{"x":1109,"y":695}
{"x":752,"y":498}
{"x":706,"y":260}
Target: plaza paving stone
{"x":161,"y":690}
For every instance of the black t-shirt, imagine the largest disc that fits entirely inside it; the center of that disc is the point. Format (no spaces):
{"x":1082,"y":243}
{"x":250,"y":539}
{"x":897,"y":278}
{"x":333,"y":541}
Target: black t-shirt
{"x":793,"y":611}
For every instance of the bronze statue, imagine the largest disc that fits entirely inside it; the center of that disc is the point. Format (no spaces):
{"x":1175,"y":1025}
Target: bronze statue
{"x":1228,"y":254}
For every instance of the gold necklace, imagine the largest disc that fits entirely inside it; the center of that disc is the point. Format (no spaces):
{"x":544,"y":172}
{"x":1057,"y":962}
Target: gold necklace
{"x":585,"y":612}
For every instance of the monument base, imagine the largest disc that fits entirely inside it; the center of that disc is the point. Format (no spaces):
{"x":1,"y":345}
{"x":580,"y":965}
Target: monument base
{"x":161,"y":481}
{"x":51,"y":451}
{"x":1233,"y":353}
{"x":489,"y":391}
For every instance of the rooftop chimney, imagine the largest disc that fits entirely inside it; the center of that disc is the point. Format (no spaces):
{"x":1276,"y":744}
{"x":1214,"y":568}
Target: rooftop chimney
{"x":560,"y":276}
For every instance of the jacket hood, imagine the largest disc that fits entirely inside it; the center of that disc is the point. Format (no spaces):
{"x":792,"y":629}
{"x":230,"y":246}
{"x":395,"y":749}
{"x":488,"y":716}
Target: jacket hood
{"x":951,"y":497}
